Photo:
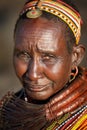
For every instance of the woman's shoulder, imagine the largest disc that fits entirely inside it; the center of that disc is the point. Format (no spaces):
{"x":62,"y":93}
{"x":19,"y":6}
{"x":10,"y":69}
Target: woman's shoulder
{"x":9,"y":95}
{"x":3,"y":103}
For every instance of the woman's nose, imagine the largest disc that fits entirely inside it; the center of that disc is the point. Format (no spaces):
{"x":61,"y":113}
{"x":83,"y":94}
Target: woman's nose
{"x":35,"y":70}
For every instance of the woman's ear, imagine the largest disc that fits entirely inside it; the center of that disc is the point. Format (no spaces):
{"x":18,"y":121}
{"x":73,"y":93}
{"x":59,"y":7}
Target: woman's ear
{"x":78,"y":54}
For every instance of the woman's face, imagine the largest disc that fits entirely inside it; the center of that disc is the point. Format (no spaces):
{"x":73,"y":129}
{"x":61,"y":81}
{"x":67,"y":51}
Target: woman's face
{"x":41,"y":59}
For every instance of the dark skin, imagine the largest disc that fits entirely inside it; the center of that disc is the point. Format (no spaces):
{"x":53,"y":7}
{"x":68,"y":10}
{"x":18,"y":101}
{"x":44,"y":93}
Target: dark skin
{"x":41,"y":59}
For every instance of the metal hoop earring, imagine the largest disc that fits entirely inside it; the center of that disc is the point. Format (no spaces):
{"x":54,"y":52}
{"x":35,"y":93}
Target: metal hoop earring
{"x":73,"y":73}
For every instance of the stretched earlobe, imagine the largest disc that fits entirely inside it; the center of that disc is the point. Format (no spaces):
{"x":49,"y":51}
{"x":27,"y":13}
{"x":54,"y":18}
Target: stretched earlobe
{"x":78,"y":54}
{"x":73,"y":73}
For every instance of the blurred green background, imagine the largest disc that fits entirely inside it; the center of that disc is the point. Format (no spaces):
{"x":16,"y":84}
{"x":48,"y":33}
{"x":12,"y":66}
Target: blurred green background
{"x":9,"y":11}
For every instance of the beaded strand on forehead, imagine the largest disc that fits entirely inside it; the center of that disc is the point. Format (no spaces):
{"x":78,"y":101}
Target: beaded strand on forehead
{"x":58,"y":8}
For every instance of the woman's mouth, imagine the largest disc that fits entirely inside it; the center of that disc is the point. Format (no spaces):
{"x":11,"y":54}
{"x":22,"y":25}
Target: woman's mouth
{"x":36,"y":87}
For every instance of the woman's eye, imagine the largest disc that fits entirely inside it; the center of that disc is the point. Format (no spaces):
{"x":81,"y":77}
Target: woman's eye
{"x":49,"y":58}
{"x":24,"y":56}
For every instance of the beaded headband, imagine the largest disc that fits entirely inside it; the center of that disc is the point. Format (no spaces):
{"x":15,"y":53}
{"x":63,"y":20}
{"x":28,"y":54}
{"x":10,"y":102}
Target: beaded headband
{"x":58,"y":8}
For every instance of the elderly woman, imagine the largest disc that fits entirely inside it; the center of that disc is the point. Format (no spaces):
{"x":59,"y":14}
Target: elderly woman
{"x":46,"y":60}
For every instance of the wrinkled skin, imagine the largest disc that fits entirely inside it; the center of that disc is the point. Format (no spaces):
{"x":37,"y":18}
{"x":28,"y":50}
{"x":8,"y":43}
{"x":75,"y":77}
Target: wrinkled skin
{"x":41,"y":59}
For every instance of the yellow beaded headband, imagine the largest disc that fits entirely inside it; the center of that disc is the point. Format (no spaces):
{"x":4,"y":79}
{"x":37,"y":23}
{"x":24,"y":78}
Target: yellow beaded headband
{"x":58,"y":8}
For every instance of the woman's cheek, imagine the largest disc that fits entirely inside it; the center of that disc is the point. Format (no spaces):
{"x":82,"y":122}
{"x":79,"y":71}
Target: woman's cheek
{"x":53,"y":71}
{"x":49,"y":73}
{"x":20,"y":68}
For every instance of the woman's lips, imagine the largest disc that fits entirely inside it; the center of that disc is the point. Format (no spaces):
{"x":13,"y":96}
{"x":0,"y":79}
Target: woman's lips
{"x":36,"y":87}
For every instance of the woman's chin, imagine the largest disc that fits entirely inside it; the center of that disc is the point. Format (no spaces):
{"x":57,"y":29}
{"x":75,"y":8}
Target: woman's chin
{"x":40,"y":96}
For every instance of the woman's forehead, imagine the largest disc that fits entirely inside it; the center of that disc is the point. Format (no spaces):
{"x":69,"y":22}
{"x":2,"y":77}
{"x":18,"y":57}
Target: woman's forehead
{"x":42,"y":32}
{"x":38,"y":25}
{"x":43,"y":36}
